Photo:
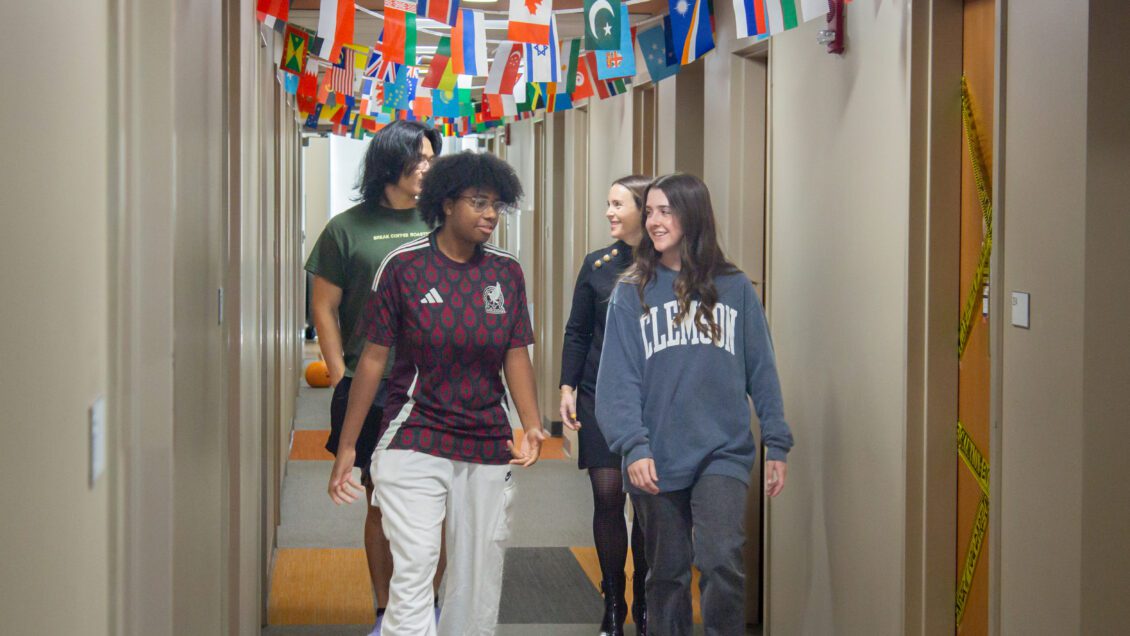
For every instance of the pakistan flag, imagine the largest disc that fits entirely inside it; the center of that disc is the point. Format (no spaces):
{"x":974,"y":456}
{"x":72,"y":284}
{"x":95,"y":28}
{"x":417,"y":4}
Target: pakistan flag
{"x":602,"y":25}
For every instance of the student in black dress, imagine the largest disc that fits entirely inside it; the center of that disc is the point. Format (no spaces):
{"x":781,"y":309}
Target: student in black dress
{"x":584,"y":337}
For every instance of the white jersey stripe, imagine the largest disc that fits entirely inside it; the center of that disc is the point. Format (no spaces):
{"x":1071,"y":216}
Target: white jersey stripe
{"x":499,"y":252}
{"x":412,"y":245}
{"x":401,"y":416}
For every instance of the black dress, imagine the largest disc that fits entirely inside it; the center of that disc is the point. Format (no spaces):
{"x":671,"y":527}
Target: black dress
{"x":584,"y":337}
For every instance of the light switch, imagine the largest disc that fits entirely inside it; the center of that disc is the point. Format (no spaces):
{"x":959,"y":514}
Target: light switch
{"x":1020,"y":310}
{"x":97,"y":439}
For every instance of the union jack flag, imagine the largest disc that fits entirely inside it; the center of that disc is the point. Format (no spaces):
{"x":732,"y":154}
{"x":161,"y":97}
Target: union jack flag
{"x":380,"y":68}
{"x":341,"y":76}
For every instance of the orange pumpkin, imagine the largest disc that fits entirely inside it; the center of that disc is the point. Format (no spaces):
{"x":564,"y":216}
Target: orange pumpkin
{"x":318,"y":374}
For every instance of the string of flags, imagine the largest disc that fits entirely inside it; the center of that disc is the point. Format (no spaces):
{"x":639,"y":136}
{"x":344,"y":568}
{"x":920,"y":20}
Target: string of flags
{"x":355,"y":89}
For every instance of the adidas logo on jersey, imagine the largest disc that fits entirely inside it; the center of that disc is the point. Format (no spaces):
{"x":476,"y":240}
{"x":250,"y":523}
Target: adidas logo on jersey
{"x":432,"y":297}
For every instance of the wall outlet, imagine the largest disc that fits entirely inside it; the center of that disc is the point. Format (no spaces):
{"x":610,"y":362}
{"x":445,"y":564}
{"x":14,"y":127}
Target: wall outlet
{"x":1020,"y":310}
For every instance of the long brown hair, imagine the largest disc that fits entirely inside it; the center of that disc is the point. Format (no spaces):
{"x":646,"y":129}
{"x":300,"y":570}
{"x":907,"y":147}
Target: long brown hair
{"x":637,"y":185}
{"x":702,"y":258}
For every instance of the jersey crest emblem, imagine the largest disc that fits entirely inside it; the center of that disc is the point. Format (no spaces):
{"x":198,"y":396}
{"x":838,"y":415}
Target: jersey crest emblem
{"x":493,"y":300}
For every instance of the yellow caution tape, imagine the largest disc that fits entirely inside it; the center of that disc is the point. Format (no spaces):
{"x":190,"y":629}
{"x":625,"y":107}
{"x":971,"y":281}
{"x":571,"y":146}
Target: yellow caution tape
{"x":972,"y":555}
{"x":972,"y":457}
{"x":984,"y":198}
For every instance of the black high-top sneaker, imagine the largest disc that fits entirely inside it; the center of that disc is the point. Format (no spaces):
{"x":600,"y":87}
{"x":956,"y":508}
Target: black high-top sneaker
{"x":615,"y":607}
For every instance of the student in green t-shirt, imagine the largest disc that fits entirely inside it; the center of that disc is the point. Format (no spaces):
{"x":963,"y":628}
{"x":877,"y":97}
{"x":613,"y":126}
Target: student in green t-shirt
{"x":344,"y":262}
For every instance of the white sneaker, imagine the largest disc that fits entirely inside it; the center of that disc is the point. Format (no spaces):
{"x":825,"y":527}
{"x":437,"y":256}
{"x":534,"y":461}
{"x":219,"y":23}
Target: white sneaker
{"x":377,"y":626}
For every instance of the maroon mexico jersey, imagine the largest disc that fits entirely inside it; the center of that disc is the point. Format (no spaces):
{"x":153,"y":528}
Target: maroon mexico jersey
{"x":452,"y":324}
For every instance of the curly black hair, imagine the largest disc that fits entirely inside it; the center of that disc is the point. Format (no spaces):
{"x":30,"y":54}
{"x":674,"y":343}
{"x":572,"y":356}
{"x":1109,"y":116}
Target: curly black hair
{"x":452,"y":175}
{"x":393,"y":153}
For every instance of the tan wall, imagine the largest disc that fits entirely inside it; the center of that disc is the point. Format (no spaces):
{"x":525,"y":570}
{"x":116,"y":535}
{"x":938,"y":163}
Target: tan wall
{"x":1106,"y":505}
{"x":837,"y":276}
{"x":316,"y":190}
{"x":610,"y":137}
{"x":55,"y":531}
{"x":198,"y":433}
{"x":1063,"y":562}
{"x":1043,"y":192}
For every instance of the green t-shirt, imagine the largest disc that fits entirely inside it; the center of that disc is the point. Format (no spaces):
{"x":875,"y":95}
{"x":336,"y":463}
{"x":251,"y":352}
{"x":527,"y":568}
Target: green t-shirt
{"x":348,"y":254}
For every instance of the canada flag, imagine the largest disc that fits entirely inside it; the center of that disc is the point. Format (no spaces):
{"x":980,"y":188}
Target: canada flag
{"x":529,"y":21}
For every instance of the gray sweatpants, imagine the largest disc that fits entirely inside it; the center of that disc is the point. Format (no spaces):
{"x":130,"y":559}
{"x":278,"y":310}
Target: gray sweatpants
{"x":703,"y":524}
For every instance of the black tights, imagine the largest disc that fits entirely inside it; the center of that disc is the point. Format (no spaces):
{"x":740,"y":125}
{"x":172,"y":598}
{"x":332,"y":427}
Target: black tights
{"x":609,"y":528}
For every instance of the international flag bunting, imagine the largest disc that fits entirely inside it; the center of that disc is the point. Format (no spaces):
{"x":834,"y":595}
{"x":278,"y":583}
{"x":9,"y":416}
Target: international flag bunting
{"x":342,"y":73}
{"x":398,"y":95}
{"x":312,"y":119}
{"x":335,"y":27}
{"x":492,"y":107}
{"x":289,"y":82}
{"x":604,"y":88}
{"x":602,"y":25}
{"x":781,"y":14}
{"x":505,"y":69}
{"x":400,"y":32}
{"x":445,"y":103}
{"x":308,"y":90}
{"x":295,"y":43}
{"x":440,"y":61}
{"x":560,"y":101}
{"x":543,"y":61}
{"x":469,"y":44}
{"x":584,"y":79}
{"x":273,"y":13}
{"x":641,"y":75}
{"x":379,"y":66}
{"x":422,"y":103}
{"x":449,"y":79}
{"x":653,"y":45}
{"x":466,"y":106}
{"x":693,"y":28}
{"x":750,"y":18}
{"x":439,"y":10}
{"x":325,"y":87}
{"x":343,"y":119}
{"x":571,"y":72}
{"x":528,"y":100}
{"x":812,"y":9}
{"x":622,"y":62}
{"x":529,"y":21}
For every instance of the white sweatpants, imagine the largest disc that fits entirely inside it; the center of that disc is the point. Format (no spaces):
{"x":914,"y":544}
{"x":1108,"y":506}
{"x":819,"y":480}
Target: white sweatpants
{"x":416,"y":491}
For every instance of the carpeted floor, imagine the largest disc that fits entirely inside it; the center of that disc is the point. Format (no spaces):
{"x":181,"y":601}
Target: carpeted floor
{"x":319,"y":583}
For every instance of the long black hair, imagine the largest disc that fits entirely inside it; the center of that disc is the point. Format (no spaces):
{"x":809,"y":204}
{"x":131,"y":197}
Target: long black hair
{"x":393,"y":153}
{"x":702,"y":257}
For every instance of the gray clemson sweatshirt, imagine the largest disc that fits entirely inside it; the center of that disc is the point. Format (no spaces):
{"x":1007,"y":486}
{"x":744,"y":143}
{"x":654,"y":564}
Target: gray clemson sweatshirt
{"x":666,"y":391}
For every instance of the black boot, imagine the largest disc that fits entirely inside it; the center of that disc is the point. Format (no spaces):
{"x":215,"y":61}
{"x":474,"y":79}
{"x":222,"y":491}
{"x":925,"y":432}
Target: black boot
{"x":639,"y":604}
{"x":615,"y":607}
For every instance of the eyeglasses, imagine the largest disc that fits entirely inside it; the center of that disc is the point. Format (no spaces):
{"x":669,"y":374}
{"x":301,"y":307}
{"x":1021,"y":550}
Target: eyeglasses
{"x":423,"y":162}
{"x":481,"y":203}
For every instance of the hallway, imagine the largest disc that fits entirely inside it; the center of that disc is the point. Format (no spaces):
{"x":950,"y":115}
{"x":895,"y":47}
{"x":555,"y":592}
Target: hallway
{"x":162,"y":190}
{"x":320,"y":584}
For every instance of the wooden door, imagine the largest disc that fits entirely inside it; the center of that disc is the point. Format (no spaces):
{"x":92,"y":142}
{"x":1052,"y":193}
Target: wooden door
{"x":973,"y":514}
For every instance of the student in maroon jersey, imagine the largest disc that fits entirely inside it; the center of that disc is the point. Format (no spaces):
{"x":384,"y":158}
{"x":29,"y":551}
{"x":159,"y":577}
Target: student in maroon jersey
{"x":580,"y":359}
{"x":343,"y":263}
{"x":455,"y":308}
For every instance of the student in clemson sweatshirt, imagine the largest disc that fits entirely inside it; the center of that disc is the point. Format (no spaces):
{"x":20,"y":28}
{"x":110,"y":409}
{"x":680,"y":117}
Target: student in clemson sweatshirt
{"x":686,"y":348}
